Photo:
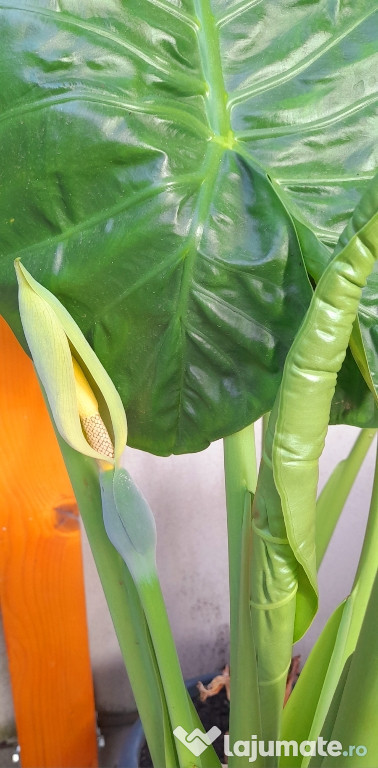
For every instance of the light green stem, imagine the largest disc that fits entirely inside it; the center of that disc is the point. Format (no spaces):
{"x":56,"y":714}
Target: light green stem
{"x":241,"y":479}
{"x":353,"y":615}
{"x":125,"y":609}
{"x":355,"y":716}
{"x":264,"y":427}
{"x":131,"y":528}
{"x":180,"y":707}
{"x":367,"y":566}
{"x":332,"y":499}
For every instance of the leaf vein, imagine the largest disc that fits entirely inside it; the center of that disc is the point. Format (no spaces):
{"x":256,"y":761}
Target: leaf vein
{"x":253,"y":90}
{"x":119,"y":208}
{"x":310,"y":126}
{"x":237,"y":11}
{"x":157,"y":110}
{"x":157,"y":62}
{"x":177,"y":13}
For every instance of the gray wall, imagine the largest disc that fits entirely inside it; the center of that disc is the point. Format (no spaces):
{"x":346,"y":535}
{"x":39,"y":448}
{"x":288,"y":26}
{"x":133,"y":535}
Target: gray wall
{"x":187,"y":496}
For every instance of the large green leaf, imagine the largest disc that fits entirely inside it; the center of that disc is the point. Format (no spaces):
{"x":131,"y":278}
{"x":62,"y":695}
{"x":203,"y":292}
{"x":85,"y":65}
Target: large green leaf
{"x":155,"y":154}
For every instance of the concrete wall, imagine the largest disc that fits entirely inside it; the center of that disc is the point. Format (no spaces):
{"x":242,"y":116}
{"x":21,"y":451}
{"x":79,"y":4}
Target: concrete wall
{"x":187,"y":496}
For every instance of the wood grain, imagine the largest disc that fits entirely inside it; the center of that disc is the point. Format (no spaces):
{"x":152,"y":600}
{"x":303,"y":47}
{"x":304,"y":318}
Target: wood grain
{"x":41,"y":578}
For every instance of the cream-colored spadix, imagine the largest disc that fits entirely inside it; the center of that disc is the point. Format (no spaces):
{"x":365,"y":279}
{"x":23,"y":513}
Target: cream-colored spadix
{"x":60,"y":352}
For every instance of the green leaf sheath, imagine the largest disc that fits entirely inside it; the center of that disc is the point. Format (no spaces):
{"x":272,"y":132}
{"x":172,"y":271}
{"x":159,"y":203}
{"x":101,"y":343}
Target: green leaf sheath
{"x":273,"y":591}
{"x":307,"y":388}
{"x":156,"y":157}
{"x":241,"y":477}
{"x":332,"y":499}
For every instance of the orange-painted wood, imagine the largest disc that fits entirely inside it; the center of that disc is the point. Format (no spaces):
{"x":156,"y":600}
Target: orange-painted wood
{"x":41,"y":578}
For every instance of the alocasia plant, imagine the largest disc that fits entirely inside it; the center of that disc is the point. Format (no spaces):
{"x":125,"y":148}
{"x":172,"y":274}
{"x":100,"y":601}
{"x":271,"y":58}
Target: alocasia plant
{"x":168,"y":170}
{"x":179,"y":174}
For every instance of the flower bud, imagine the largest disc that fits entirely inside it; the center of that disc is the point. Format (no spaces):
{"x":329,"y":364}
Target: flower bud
{"x":71,"y":374}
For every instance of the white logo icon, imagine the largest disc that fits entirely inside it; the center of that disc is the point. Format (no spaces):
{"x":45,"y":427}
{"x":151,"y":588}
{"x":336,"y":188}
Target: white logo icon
{"x":197,"y":741}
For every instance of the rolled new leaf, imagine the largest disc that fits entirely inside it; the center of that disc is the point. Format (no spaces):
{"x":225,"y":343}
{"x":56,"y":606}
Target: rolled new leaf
{"x":306,"y":392}
{"x":317,"y":257}
{"x":362,"y":337}
{"x":71,"y":374}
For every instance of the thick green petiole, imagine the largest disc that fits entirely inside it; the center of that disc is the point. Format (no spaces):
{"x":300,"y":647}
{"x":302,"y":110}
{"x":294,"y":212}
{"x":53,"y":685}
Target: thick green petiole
{"x":315,"y":694}
{"x":130,"y":525}
{"x":241,"y":478}
{"x":264,"y":427}
{"x":125,"y":608}
{"x":332,"y":499}
{"x":353,"y":719}
{"x":273,"y":591}
{"x":179,"y":706}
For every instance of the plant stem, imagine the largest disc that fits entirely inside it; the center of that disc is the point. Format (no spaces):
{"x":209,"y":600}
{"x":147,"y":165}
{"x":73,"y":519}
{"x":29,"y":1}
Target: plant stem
{"x":241,"y":478}
{"x":367,"y":566}
{"x":273,"y":594}
{"x":179,"y":705}
{"x":357,"y":702}
{"x":332,"y":499}
{"x":125,"y":609}
{"x":130,"y":526}
{"x":264,"y":427}
{"x":353,"y":615}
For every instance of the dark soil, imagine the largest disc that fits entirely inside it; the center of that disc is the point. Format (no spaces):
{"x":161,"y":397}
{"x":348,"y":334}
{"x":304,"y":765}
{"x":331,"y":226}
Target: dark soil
{"x":213,"y":711}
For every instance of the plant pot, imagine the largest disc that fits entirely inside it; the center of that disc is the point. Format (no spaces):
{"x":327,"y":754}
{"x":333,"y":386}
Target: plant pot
{"x":135,"y":740}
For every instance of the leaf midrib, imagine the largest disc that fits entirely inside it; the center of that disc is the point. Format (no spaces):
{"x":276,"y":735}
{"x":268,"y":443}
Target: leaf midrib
{"x":218,"y":117}
{"x":209,"y":49}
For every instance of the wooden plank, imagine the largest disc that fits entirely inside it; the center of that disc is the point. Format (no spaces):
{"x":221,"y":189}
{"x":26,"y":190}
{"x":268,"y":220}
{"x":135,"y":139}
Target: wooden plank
{"x":41,"y":578}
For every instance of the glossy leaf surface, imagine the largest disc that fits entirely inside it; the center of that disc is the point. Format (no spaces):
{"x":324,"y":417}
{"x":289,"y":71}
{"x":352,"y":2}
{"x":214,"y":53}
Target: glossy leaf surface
{"x":155,"y":157}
